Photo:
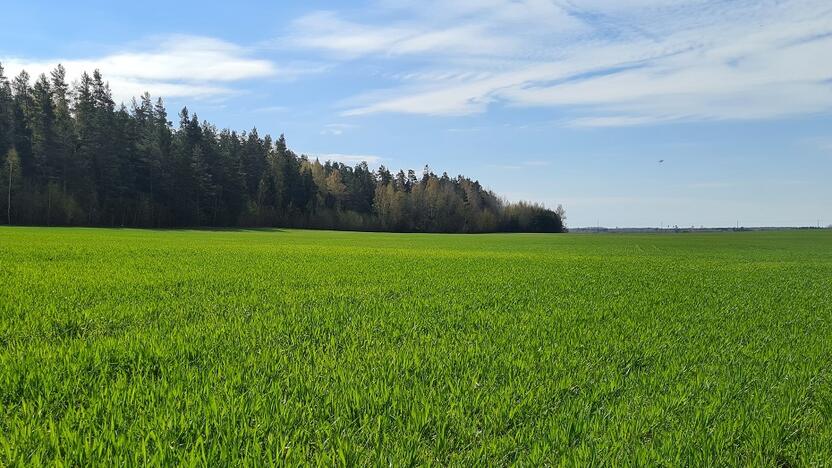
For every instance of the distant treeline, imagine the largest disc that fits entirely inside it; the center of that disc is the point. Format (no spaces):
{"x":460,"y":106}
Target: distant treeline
{"x":70,"y":156}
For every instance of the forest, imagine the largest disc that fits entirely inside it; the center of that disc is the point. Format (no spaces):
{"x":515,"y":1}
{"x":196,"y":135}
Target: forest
{"x":72,"y":157}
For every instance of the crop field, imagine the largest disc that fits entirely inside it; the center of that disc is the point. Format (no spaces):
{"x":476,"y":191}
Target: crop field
{"x":226,"y":348}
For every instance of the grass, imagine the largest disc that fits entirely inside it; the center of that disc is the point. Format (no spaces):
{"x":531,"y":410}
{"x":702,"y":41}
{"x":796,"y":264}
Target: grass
{"x":123,"y":347}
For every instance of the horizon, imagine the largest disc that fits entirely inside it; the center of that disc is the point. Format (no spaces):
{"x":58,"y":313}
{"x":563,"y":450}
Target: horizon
{"x":695,"y":228}
{"x":705,"y":113}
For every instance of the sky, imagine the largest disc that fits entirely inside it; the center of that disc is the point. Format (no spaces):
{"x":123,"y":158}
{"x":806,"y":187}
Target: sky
{"x":628,"y":113}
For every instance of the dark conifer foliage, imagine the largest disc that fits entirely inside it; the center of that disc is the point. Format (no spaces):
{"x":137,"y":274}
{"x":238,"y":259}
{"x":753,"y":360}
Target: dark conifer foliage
{"x":72,"y":157}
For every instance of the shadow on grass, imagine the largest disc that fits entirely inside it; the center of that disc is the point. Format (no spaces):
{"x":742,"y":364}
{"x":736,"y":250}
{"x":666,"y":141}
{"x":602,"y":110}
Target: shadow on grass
{"x":153,"y":229}
{"x":210,"y":229}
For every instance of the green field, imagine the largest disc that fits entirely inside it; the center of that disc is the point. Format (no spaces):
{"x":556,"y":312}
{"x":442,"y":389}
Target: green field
{"x":269,"y":347}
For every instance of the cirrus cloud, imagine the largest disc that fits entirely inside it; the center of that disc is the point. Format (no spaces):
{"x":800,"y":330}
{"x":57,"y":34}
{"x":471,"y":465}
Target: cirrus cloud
{"x":595,"y":60}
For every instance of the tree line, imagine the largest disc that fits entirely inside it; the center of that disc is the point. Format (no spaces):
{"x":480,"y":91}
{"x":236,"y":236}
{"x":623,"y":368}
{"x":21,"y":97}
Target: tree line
{"x":72,"y":157}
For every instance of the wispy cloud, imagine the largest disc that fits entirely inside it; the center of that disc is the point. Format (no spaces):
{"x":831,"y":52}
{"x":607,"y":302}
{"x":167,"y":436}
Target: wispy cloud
{"x":344,"y":39}
{"x":336,"y":129}
{"x":171,"y":66}
{"x":616,"y":121}
{"x":599,"y":63}
{"x":604,"y":62}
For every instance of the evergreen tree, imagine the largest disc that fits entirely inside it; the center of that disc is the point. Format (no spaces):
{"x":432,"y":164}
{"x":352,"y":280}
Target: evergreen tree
{"x":6,"y":113}
{"x":202,"y":183}
{"x":64,"y":131}
{"x":42,"y":125}
{"x":80,"y":171}
{"x":23,"y":107}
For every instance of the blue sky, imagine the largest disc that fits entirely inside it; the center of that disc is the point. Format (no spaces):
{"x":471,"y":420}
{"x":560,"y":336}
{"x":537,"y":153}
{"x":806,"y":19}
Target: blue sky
{"x":555,"y":101}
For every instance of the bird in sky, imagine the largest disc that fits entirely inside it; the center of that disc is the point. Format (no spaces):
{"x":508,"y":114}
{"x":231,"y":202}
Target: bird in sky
{"x":661,"y":161}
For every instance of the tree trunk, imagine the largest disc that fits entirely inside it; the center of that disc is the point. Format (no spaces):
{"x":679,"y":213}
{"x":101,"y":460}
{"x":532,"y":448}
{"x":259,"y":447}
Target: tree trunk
{"x":9,"y":201}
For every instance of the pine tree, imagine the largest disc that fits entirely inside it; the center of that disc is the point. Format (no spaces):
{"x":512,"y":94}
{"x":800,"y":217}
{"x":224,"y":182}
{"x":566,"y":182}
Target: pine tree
{"x":105,"y":165}
{"x":254,"y":162}
{"x":202,"y":183}
{"x":42,"y":124}
{"x":22,"y":133}
{"x":64,"y":127}
{"x":80,"y":171}
{"x":6,"y":113}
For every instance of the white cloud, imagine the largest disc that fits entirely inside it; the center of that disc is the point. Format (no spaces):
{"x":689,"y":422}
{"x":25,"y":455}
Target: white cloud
{"x":614,"y":121}
{"x":328,"y":32}
{"x":607,"y":63}
{"x":174,"y":66}
{"x":336,"y":129}
{"x":600,"y":63}
{"x":525,"y":13}
{"x":713,"y":84}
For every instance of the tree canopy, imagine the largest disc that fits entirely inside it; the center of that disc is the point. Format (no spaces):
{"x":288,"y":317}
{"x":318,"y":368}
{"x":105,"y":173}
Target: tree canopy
{"x":71,"y":156}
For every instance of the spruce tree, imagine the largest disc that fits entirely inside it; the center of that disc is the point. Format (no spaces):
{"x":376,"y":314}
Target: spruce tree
{"x":6,"y":114}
